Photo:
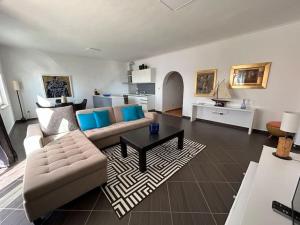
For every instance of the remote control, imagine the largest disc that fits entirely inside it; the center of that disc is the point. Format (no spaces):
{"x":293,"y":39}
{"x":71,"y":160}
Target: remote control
{"x":286,"y":211}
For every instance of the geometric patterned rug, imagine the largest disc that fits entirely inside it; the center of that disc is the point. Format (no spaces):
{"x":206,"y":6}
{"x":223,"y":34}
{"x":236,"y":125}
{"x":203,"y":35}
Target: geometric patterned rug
{"x":127,"y":186}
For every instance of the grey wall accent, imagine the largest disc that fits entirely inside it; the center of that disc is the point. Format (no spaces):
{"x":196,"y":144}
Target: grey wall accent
{"x":148,"y":88}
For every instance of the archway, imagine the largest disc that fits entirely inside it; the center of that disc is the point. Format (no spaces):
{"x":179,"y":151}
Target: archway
{"x":172,"y":89}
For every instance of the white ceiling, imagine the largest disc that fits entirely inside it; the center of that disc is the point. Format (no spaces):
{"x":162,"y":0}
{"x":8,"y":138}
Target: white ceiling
{"x":132,"y":29}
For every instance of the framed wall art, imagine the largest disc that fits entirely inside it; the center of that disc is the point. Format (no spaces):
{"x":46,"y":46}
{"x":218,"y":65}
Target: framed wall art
{"x":205,"y":82}
{"x":56,"y":86}
{"x":250,"y":75}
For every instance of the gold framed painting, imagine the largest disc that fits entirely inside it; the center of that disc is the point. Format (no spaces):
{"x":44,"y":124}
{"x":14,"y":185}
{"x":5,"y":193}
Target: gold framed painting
{"x":250,"y":75}
{"x":56,"y":86}
{"x":205,"y":82}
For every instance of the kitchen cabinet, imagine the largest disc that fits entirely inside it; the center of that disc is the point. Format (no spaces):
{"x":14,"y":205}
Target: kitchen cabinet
{"x":146,"y":101}
{"x":143,"y":76}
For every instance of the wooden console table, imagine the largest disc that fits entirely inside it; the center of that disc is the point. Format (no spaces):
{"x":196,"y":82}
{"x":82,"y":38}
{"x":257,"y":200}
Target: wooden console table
{"x":226,"y":115}
{"x":272,"y":179}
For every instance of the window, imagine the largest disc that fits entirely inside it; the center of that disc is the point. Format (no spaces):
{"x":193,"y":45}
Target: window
{"x":3,"y":99}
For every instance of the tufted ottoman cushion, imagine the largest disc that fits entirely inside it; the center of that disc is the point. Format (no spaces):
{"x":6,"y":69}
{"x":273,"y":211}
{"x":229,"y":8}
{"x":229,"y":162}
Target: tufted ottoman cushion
{"x":60,"y":172}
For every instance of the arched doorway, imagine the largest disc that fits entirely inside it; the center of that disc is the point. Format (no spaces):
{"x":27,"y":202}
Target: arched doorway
{"x":172,"y":101}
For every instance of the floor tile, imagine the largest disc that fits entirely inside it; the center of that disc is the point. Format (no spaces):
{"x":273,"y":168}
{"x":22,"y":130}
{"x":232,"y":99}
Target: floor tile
{"x":150,"y":218}
{"x":220,"y":218}
{"x":192,"y":219}
{"x":235,"y":186}
{"x":5,"y":213}
{"x":18,"y":217}
{"x":218,"y":195}
{"x":186,"y":197}
{"x":84,"y":202}
{"x":103,"y":203}
{"x":184,"y":174}
{"x":67,"y":218}
{"x":232,"y":172}
{"x":106,"y":218}
{"x":206,"y":172}
{"x":219,"y":156}
{"x":157,"y":201}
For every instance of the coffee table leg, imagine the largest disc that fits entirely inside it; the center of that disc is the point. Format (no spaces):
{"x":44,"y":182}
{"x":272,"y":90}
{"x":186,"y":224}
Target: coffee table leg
{"x":123,"y":148}
{"x":142,"y":161}
{"x":180,"y":140}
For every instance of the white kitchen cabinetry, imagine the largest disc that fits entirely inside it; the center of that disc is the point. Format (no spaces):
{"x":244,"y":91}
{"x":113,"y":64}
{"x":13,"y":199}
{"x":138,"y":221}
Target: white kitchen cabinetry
{"x":146,"y":101}
{"x":143,"y":76}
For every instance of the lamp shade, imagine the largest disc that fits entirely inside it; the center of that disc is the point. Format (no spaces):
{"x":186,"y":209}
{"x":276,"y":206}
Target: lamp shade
{"x":290,"y":122}
{"x":16,"y":85}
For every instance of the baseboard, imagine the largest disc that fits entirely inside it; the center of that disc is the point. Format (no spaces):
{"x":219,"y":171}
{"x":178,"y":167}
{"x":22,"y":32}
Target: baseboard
{"x":160,"y":112}
{"x":173,"y":109}
{"x":186,"y":117}
{"x":233,"y":126}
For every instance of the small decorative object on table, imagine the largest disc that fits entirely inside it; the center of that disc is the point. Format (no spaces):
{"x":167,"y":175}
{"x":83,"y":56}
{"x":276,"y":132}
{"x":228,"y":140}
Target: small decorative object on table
{"x":106,"y":95}
{"x":243,"y":106}
{"x":154,"y":128}
{"x":96,"y":92}
{"x":63,"y":99}
{"x":289,"y":124}
{"x":221,"y":94}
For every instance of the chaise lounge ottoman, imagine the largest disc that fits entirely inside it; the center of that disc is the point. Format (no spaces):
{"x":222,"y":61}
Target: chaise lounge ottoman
{"x":60,"y":172}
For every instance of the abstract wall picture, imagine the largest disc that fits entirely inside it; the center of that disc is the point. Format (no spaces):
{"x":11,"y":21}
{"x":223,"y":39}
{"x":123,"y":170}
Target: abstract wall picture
{"x":56,"y":86}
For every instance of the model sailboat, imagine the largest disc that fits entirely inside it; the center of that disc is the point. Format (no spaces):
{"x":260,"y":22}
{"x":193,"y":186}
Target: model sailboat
{"x":221,"y":94}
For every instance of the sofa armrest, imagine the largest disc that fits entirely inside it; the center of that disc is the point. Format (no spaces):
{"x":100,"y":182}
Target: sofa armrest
{"x":33,"y":139}
{"x":151,"y":115}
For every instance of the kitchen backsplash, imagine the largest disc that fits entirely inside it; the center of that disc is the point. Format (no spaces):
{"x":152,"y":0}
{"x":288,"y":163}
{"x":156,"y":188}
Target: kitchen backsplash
{"x":147,"y":88}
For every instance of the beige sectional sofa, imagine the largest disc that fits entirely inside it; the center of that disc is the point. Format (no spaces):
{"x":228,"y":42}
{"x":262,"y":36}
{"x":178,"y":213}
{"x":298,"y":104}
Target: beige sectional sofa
{"x":110,"y":135}
{"x":64,"y":165}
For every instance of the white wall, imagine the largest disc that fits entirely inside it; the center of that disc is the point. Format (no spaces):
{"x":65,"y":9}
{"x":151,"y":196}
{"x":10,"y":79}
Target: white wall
{"x":6,"y":112}
{"x":172,"y":92}
{"x":27,"y":66}
{"x":278,"y":45}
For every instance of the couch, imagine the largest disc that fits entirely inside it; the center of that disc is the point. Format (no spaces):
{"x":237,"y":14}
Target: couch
{"x":101,"y":137}
{"x":61,"y":171}
{"x":110,"y":135}
{"x":63,"y":161}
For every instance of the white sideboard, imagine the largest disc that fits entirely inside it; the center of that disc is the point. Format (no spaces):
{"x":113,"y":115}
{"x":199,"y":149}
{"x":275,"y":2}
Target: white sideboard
{"x":273,"y":179}
{"x":226,"y":115}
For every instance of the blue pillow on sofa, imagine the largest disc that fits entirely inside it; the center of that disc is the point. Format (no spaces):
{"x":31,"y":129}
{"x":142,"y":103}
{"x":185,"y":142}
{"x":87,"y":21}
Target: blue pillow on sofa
{"x":140,"y":112}
{"x":102,"y":118}
{"x":86,"y":121}
{"x":129,"y":113}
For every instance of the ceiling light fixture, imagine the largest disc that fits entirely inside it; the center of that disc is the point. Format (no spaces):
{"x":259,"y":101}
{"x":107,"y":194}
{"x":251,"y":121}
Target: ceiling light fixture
{"x":93,"y":49}
{"x":175,"y":5}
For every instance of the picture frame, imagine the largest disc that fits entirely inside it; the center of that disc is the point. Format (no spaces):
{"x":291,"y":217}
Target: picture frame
{"x":205,"y":82}
{"x":253,"y":76}
{"x":56,"y":86}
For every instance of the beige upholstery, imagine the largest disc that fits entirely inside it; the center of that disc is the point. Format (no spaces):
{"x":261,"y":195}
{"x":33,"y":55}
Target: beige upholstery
{"x":116,"y":128}
{"x":118,"y":112}
{"x":56,"y":120}
{"x":34,"y":138}
{"x":60,"y":172}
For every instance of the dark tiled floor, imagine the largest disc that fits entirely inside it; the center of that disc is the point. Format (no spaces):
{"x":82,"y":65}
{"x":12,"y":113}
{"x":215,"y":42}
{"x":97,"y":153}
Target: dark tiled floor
{"x":201,"y":193}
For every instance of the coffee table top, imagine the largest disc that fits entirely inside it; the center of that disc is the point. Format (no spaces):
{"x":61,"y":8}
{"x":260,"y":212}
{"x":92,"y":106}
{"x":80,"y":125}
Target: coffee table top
{"x":142,"y":139}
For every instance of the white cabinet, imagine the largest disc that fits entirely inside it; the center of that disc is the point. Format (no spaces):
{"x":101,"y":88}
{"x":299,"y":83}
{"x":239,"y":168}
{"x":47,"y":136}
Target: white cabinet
{"x":143,"y":76}
{"x":146,"y":101}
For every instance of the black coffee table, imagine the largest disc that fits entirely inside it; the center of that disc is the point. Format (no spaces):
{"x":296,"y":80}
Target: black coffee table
{"x":142,"y":141}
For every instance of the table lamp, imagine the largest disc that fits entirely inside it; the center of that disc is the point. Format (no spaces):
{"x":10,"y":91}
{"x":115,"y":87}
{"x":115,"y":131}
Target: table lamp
{"x":17,"y":88}
{"x":290,"y":125}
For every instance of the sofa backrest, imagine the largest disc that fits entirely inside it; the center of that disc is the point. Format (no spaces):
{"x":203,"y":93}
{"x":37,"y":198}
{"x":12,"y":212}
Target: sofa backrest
{"x":110,"y":110}
{"x":118,"y":112}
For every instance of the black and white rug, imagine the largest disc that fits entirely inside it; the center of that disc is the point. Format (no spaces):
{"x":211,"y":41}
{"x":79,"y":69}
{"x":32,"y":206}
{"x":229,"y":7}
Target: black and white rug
{"x":127,"y":186}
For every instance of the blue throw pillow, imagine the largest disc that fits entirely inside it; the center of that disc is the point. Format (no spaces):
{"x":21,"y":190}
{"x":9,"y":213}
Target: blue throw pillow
{"x":140,"y":112}
{"x":129,"y":113}
{"x":86,"y":121}
{"x":102,"y":118}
